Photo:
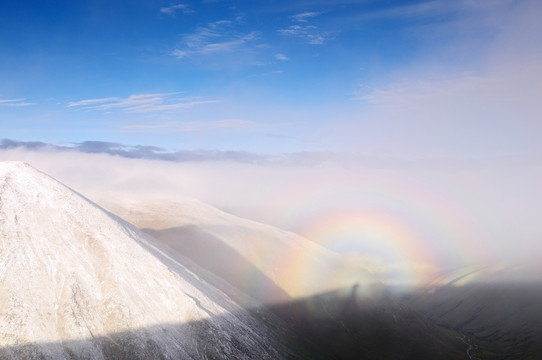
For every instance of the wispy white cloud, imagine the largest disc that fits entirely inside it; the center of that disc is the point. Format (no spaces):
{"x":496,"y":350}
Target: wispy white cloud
{"x":179,"y":54}
{"x":428,"y":8}
{"x":172,"y":9}
{"x":281,"y":57}
{"x":216,"y":37}
{"x":443,"y":13}
{"x":435,"y":8}
{"x":308,"y":33}
{"x":15,"y":102}
{"x":140,"y":103}
{"x":316,"y":39}
{"x":492,"y":107}
{"x":91,"y":101}
{"x":297,"y":30}
{"x":303,"y":17}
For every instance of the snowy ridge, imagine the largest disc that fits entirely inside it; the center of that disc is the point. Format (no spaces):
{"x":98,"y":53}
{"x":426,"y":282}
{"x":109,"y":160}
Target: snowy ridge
{"x":300,"y":267}
{"x":71,"y":273}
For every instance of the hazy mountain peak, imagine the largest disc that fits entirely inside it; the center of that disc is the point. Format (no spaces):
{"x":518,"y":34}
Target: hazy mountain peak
{"x":77,"y":279}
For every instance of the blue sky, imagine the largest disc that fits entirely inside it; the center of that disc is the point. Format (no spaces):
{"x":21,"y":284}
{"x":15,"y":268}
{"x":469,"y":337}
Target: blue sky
{"x":370,"y":77}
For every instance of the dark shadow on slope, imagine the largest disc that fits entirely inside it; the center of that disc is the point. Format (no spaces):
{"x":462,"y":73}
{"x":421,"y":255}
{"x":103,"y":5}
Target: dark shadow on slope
{"x":164,"y":341}
{"x":504,"y":319}
{"x":346,"y":324}
{"x":213,"y":254}
{"x":334,"y":325}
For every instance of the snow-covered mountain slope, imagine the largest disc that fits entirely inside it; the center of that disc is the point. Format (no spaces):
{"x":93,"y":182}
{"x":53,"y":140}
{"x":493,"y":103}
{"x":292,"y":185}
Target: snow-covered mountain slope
{"x":265,"y":262}
{"x":78,"y":282}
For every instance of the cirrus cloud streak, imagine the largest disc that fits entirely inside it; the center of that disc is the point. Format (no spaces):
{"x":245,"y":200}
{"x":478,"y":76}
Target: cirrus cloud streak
{"x":140,"y":103}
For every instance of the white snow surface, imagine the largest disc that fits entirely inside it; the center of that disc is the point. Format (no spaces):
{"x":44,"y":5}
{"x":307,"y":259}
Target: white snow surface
{"x":76,"y":281}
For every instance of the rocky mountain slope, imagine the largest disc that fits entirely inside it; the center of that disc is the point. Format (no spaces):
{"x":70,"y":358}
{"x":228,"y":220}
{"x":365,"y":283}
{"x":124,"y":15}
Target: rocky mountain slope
{"x":78,"y":282}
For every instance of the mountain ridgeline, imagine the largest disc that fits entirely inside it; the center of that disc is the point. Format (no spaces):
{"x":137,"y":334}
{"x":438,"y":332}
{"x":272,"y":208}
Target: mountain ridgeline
{"x":80,"y":283}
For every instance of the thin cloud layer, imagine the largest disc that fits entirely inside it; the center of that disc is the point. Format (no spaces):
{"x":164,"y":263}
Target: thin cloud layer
{"x":173,"y":9}
{"x":15,"y":102}
{"x":308,"y":33}
{"x":217,"y":37}
{"x":402,"y":220}
{"x":305,"y":159}
{"x":305,"y":16}
{"x":441,"y":108}
{"x":140,"y":103}
{"x":302,"y":30}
